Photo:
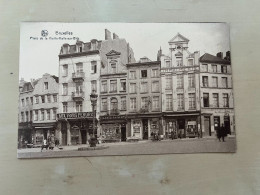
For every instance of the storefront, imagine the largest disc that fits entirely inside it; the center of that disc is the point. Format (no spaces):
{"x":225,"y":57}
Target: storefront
{"x":75,"y":128}
{"x":24,"y":134}
{"x":42,"y":131}
{"x":113,"y":128}
{"x":144,"y":126}
{"x":182,"y":125}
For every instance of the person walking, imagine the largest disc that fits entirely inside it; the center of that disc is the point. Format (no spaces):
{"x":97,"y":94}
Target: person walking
{"x":219,"y":133}
{"x":223,"y":132}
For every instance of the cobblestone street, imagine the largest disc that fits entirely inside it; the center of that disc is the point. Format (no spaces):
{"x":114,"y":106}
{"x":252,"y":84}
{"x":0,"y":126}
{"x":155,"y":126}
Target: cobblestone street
{"x":143,"y":147}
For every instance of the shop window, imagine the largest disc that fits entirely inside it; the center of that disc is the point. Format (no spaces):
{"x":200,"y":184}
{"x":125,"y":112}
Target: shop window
{"x":143,"y":73}
{"x":205,"y":99}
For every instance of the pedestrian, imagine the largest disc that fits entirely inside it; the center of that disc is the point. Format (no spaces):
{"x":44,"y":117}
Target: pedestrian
{"x":51,"y":141}
{"x":172,"y":134}
{"x":223,"y":132}
{"x":219,"y":133}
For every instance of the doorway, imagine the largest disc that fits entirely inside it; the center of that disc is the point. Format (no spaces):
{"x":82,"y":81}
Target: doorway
{"x":181,"y":128}
{"x":83,"y":136}
{"x":64,"y":133}
{"x":123,"y":134}
{"x":207,"y":125}
{"x":145,"y":128}
{"x":227,"y":124}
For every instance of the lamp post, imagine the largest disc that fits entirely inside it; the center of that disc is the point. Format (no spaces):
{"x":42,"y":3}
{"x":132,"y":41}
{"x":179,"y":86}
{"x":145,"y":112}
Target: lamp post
{"x":93,"y":99}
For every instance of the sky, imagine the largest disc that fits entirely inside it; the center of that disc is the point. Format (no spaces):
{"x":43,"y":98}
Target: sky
{"x":38,"y":57}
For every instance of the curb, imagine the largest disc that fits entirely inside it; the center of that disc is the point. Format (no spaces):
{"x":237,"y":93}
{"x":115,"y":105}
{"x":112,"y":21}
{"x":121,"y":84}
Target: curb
{"x":93,"y":148}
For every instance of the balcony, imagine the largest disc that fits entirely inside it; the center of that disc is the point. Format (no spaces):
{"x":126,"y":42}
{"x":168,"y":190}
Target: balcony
{"x":78,"y":76}
{"x":78,"y":96}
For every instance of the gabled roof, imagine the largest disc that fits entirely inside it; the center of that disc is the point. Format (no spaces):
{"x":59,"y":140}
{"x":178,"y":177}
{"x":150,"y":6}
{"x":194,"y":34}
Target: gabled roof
{"x":112,"y":53}
{"x":55,"y":78}
{"x":179,"y":54}
{"x":179,"y":38}
{"x":208,"y":58}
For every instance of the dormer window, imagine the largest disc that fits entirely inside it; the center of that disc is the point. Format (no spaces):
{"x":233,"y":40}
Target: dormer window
{"x":113,"y":68}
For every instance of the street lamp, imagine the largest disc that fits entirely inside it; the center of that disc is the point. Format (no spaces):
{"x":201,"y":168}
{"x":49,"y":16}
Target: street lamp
{"x":93,"y":99}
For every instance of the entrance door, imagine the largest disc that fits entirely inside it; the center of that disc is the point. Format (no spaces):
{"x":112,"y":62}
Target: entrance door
{"x":207,"y":125}
{"x":83,"y":136}
{"x":145,"y":129}
{"x":123,"y":134}
{"x":64,"y":134}
{"x":181,"y":128}
{"x":227,"y":124}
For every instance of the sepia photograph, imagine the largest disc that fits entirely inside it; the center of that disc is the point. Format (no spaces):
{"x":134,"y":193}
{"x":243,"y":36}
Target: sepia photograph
{"x":106,"y":89}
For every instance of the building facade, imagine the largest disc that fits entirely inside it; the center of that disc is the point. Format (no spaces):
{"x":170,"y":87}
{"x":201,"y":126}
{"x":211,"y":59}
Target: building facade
{"x":25,"y":113}
{"x":79,"y":75}
{"x":144,"y":99}
{"x":45,"y":107}
{"x":217,"y":100}
{"x":180,"y":89}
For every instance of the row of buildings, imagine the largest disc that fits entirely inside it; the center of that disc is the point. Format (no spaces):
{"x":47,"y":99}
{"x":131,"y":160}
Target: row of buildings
{"x":182,"y":92}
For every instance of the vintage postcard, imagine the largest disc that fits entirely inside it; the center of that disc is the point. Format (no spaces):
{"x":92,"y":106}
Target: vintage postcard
{"x":96,"y":89}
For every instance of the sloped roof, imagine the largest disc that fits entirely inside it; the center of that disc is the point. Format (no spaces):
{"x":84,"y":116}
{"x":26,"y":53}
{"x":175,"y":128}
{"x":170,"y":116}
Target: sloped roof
{"x":113,"y":52}
{"x":55,"y":78}
{"x":179,"y":38}
{"x":179,"y":54}
{"x":208,"y":58}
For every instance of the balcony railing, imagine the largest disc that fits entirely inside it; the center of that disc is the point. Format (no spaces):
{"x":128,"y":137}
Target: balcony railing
{"x":78,"y":76}
{"x":78,"y":95}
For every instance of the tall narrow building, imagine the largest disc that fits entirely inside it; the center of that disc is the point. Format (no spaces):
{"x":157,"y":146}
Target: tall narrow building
{"x":180,"y":89}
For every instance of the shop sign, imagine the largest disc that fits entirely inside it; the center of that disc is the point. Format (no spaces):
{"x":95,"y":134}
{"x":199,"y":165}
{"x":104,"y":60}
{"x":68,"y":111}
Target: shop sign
{"x":112,"y":117}
{"x":191,"y":122}
{"x":75,"y":115}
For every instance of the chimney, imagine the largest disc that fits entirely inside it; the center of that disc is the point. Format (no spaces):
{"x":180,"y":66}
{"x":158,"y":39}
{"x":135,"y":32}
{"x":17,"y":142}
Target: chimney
{"x":227,"y":56}
{"x":115,"y":36}
{"x":107,"y":35}
{"x":220,"y":55}
{"x":93,"y":44}
{"x":159,"y":54}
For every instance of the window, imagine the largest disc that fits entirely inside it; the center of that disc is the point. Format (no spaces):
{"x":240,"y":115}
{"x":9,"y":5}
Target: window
{"x":132,"y":103}
{"x":168,"y":64}
{"x":180,"y":101}
{"x":27,"y":101}
{"x":79,"y":86}
{"x":22,"y":102}
{"x":168,"y":81}
{"x":204,"y":67}
{"x":36,"y":99}
{"x":215,"y":100}
{"x":54,"y":114}
{"x":55,"y":98}
{"x":104,"y":86}
{"x":43,"y":98}
{"x":224,"y":82}
{"x":93,"y":85}
{"x":49,"y":98}
{"x":144,"y":87}
{"x":179,"y":61}
{"x":104,"y":104}
{"x":42,"y":115}
{"x":132,"y":75}
{"x":192,"y":101}
{"x":214,"y":68}
{"x":223,"y":69}
{"x":155,"y":86}
{"x":132,"y":87}
{"x":65,"y":106}
{"x":26,"y":116}
{"x":205,"y":99}
{"x":204,"y":81}
{"x":31,"y":116}
{"x":31,"y":100}
{"x":65,"y":70}
{"x":180,"y":81}
{"x":79,"y":67}
{"x":22,"y":117}
{"x":214,"y":81}
{"x":80,"y":48}
{"x":94,"y":67}
{"x":168,"y":102}
{"x":143,"y":73}
{"x":123,"y":103}
{"x":191,"y":80}
{"x":225,"y":100}
{"x":48,"y":115}
{"x":113,"y":87}
{"x":45,"y":85}
{"x":155,"y":73}
{"x":190,"y":62}
{"x":79,"y":106}
{"x":113,"y":68}
{"x":155,"y":103}
{"x":65,"y":88}
{"x":144,"y":102}
{"x":114,"y":105}
{"x":122,"y":85}
{"x":36,"y":115}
